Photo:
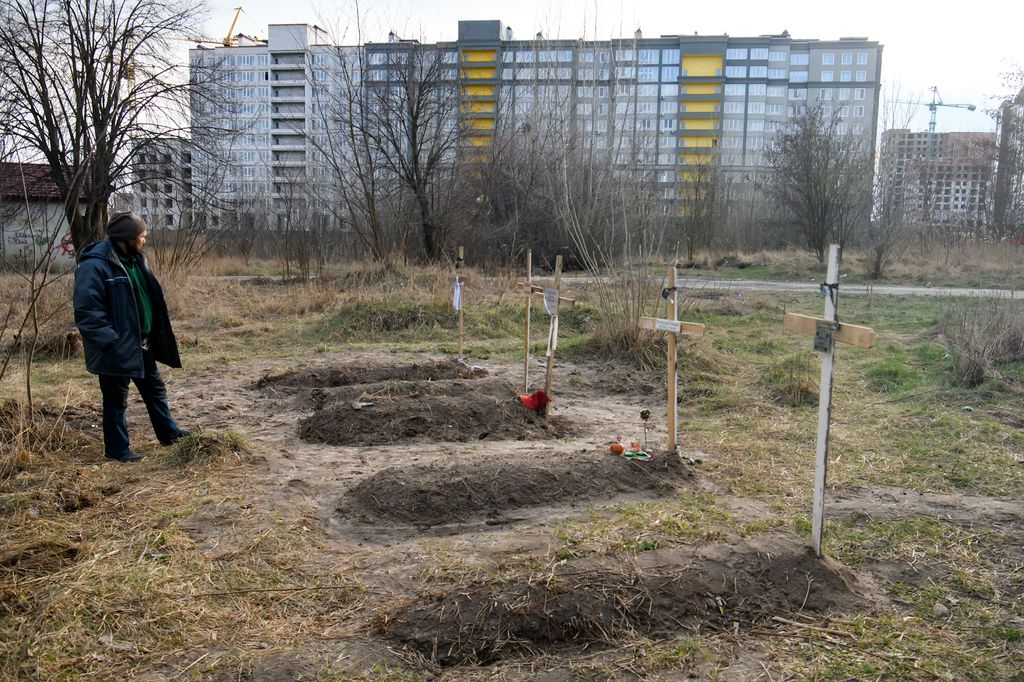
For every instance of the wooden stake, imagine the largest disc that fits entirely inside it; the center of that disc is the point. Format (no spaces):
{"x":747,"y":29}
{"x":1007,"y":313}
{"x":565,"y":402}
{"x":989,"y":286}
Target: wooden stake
{"x":673,"y":380}
{"x":529,"y":302}
{"x":458,"y":264}
{"x":825,"y":403}
{"x":551,"y":343}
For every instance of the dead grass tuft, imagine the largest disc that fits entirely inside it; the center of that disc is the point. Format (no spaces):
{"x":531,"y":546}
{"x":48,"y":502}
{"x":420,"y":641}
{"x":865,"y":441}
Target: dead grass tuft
{"x":790,"y":380}
{"x":984,"y":335}
{"x":205,"y":447}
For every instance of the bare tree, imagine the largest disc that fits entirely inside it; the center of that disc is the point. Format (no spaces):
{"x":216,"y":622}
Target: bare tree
{"x":821,"y":177}
{"x":701,"y":202}
{"x":411,"y":116}
{"x":87,"y":83}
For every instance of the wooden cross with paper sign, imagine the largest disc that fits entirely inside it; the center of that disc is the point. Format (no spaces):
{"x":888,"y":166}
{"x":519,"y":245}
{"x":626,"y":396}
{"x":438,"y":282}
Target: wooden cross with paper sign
{"x":552,"y":300}
{"x":826,"y":333}
{"x":673,"y":327}
{"x":457,"y":299}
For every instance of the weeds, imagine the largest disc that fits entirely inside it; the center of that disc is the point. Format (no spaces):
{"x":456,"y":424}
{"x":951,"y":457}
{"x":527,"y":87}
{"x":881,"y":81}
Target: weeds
{"x":984,"y":335}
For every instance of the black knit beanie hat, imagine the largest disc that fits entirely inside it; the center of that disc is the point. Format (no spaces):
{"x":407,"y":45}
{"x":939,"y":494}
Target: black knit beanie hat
{"x":124,"y":227}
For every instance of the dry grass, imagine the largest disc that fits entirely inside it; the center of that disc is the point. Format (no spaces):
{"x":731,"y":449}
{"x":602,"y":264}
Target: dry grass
{"x":984,"y":335}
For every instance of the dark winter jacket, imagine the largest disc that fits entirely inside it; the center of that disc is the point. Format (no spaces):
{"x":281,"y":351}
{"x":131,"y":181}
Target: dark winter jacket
{"x":108,"y":317}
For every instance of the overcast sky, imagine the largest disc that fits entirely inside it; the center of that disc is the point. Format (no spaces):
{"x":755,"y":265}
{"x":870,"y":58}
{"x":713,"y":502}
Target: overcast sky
{"x":963,"y":51}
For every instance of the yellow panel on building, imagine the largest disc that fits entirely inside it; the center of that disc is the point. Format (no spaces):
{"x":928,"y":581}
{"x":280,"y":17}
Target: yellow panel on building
{"x":701,"y":89}
{"x":699,"y":142}
{"x":702,"y":65}
{"x":479,"y":55}
{"x":478,"y":107}
{"x":478,"y":91}
{"x":480,"y":124}
{"x":478,"y":72}
{"x":701,"y":123}
{"x":698,"y":107}
{"x":479,"y":140}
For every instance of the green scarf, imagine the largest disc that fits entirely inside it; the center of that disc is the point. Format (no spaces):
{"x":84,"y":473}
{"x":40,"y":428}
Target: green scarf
{"x":133,"y":264}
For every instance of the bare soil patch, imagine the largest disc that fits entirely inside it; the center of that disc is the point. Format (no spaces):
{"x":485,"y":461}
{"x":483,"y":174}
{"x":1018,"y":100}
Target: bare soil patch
{"x":427,"y":496}
{"x":591,"y":603}
{"x":351,"y":374}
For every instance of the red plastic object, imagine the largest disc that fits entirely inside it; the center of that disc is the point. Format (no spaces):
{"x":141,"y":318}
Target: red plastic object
{"x":536,"y":401}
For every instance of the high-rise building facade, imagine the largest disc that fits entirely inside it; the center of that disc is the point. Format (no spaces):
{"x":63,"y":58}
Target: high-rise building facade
{"x":661,"y":104}
{"x":943,"y":178}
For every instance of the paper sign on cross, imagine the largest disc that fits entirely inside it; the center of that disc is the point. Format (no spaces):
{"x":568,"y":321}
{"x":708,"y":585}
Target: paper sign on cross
{"x":673,"y":327}
{"x":826,"y":333}
{"x":552,"y":300}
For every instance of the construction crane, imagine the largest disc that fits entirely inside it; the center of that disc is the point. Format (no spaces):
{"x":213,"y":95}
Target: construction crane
{"x":933,"y":108}
{"x":226,"y":41}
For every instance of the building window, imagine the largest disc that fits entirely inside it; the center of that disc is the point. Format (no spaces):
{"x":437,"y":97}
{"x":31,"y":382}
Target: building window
{"x":862,"y":76}
{"x":827,"y":76}
{"x":670,"y":56}
{"x":844,"y":94}
{"x":565,"y":55}
{"x":669,"y":74}
{"x":670,"y":90}
{"x":758,"y":71}
{"x":521,"y":56}
{"x":777,"y":74}
{"x":799,"y":59}
{"x":735,"y":90}
{"x":647,"y":56}
{"x":734,"y":107}
{"x":777,"y":56}
{"x":862,"y":58}
{"x":669,"y":107}
{"x":757,"y":89}
{"x":826,"y":94}
{"x":844,"y":112}
{"x":858,"y":93}
{"x":647,"y":91}
{"x":828,"y":58}
{"x":826,"y":111}
{"x":797,"y":76}
{"x":776,"y":91}
{"x":736,"y":53}
{"x":844,"y":76}
{"x":759,"y":53}
{"x":755,"y":108}
{"x":773,"y":109}
{"x":732,"y":124}
{"x":847,"y":58}
{"x":647,"y":74}
{"x":798,"y":94}
{"x":623,"y":55}
{"x":735,"y":72}
{"x":858,"y":112}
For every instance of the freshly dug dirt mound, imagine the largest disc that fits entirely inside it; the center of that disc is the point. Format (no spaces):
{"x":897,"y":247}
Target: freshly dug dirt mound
{"x":352,"y":374}
{"x":449,"y":411}
{"x":588,"y":603}
{"x":488,"y":489}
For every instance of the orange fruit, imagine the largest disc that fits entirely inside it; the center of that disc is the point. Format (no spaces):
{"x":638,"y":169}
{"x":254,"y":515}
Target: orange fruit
{"x":616,"y":448}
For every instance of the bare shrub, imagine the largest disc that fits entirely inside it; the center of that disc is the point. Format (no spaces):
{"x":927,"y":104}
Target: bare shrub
{"x":983,"y":335}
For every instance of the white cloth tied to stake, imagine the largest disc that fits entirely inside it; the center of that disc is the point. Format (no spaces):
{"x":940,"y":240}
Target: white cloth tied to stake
{"x":457,"y":297}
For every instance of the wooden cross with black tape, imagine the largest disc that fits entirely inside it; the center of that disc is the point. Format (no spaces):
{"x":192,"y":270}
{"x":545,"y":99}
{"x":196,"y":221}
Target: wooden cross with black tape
{"x":552,"y":301}
{"x":826,"y":333}
{"x":673,"y":327}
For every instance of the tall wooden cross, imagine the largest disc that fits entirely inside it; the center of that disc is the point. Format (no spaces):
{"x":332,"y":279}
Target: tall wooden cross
{"x":673,"y":327}
{"x":531,"y":290}
{"x":826,"y":333}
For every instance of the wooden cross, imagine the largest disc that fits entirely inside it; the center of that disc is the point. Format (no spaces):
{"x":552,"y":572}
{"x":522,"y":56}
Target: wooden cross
{"x":826,"y":333}
{"x":531,"y":290}
{"x":673,"y":327}
{"x":457,"y":297}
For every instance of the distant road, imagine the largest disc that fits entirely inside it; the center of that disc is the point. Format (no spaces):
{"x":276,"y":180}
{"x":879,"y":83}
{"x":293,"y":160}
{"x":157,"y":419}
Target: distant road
{"x":710,"y":283}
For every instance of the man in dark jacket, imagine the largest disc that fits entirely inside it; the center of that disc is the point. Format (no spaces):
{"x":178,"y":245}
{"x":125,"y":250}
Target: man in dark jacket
{"x":122,"y":316}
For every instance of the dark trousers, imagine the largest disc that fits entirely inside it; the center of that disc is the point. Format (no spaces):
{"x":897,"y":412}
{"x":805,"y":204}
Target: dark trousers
{"x":115,"y":403}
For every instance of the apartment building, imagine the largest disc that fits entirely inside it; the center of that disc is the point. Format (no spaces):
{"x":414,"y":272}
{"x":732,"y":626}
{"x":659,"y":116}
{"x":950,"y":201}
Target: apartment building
{"x":162,"y":188}
{"x":943,"y":178}
{"x":660,"y":103}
